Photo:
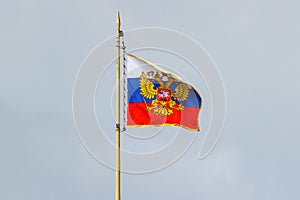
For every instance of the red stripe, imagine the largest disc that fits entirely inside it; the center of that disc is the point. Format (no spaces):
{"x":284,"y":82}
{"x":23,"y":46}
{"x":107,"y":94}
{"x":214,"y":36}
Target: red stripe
{"x":139,"y":115}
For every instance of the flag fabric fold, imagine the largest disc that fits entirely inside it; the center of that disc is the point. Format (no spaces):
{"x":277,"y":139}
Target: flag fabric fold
{"x":157,"y":97}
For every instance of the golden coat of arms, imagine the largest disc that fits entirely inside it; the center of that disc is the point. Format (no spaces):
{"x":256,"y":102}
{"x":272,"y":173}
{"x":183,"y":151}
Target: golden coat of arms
{"x":166,"y":99}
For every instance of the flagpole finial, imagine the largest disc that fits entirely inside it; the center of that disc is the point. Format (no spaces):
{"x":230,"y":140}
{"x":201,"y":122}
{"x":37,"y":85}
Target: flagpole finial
{"x":118,"y":21}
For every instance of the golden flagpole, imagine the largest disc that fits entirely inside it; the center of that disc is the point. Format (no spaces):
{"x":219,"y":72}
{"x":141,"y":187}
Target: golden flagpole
{"x":118,"y":178}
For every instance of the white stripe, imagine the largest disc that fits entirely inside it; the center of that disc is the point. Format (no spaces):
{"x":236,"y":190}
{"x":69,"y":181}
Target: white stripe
{"x":135,"y":67}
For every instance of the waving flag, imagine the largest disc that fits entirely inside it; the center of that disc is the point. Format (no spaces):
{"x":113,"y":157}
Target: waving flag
{"x":159,"y":98}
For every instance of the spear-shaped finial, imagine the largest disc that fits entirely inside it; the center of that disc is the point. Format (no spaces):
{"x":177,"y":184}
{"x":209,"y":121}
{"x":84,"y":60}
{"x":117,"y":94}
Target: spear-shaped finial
{"x":118,"y":22}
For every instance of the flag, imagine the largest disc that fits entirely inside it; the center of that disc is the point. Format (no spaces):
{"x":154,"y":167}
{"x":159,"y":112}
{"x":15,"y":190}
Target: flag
{"x":157,"y":97}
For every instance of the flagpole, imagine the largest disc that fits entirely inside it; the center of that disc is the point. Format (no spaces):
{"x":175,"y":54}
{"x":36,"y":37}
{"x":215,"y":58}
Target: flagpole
{"x":118,"y":178}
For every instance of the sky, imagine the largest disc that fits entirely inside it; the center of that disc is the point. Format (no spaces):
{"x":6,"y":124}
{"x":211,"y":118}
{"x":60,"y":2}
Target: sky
{"x":255,"y":45}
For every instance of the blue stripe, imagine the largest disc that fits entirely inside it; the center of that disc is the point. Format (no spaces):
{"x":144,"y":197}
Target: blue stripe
{"x":134,"y":96}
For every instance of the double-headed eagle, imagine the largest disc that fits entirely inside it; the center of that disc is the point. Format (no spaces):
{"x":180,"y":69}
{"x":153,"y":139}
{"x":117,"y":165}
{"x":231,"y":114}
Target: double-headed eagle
{"x":164,"y":103}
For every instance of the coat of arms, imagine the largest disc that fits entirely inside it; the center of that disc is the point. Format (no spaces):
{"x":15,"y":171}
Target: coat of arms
{"x":166,"y":99}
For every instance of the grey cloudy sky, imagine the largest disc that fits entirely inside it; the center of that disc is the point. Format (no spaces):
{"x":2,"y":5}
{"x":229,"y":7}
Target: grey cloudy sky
{"x":256,"y":46}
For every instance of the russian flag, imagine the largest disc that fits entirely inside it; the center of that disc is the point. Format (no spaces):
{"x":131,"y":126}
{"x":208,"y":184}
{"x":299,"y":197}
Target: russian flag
{"x":157,"y":97}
